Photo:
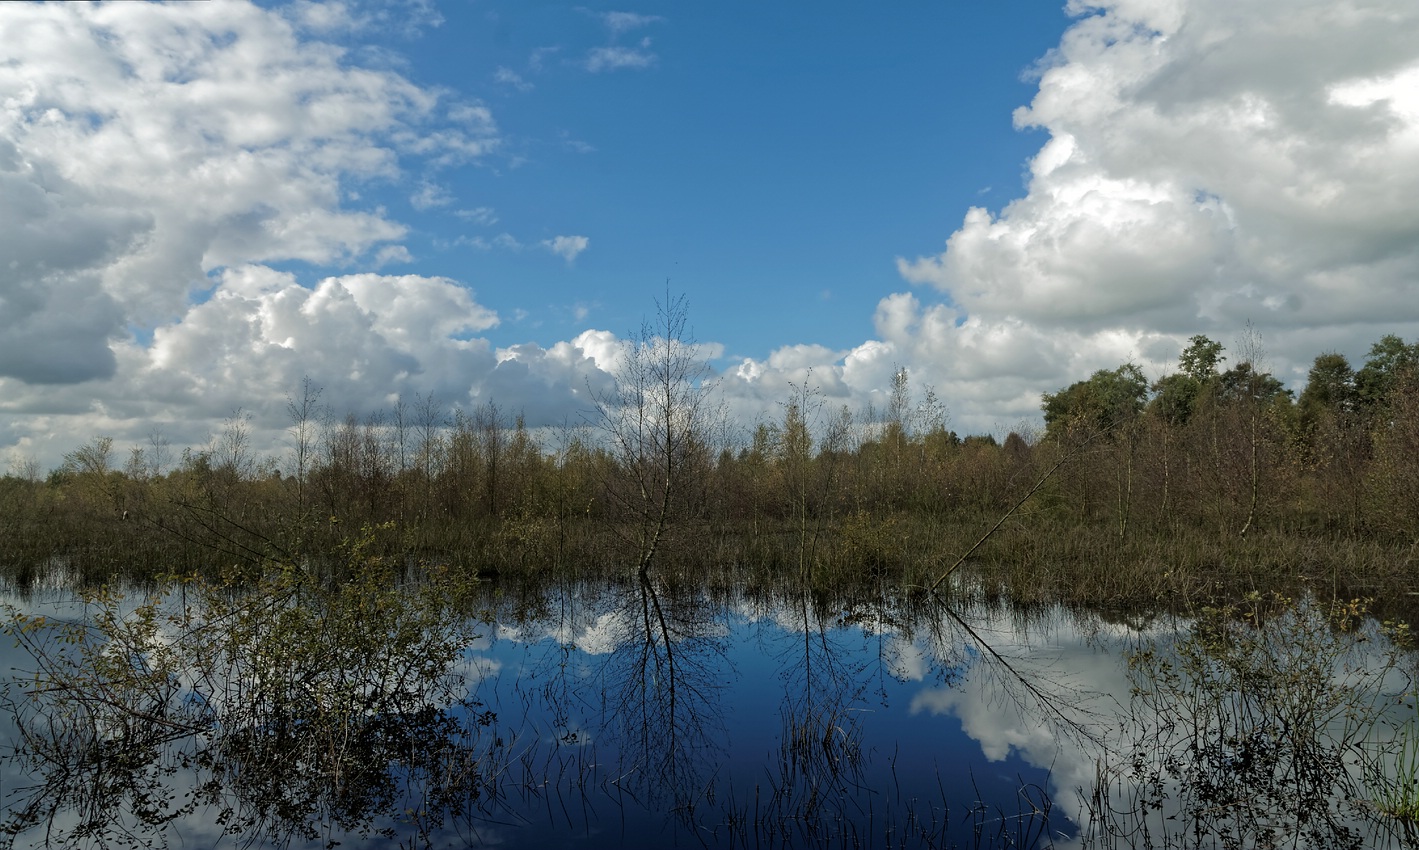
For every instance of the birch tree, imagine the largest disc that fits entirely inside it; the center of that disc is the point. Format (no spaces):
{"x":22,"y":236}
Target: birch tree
{"x":659,"y":422}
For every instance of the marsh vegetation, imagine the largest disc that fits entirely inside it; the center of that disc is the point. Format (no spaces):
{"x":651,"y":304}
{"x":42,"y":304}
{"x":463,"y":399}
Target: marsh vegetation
{"x":1202,"y":486}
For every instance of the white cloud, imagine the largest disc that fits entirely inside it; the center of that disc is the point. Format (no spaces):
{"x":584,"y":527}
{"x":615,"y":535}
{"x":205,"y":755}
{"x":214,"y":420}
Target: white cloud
{"x":391,"y":254}
{"x":566,"y":247}
{"x":156,"y":143}
{"x":475,"y":116}
{"x":576,"y":145}
{"x":1209,"y":163}
{"x":407,"y":18}
{"x":430,"y":195}
{"x":154,"y":161}
{"x":620,"y":22}
{"x":600,"y":59}
{"x":603,"y":347}
{"x":485,"y":216}
{"x":323,"y":18}
{"x":504,"y":241}
{"x":511,"y":79}
{"x":260,"y":330}
{"x":552,"y":386}
{"x":363,"y":338}
{"x":537,"y":59}
{"x":56,"y":238}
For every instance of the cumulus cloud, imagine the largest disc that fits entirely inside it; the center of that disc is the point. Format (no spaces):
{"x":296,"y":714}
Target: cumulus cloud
{"x":56,"y":317}
{"x":605,"y":349}
{"x":156,"y":162}
{"x":553,"y":386}
{"x":988,"y":374}
{"x":566,"y":247}
{"x":360,"y":336}
{"x":154,"y":144}
{"x":1208,"y":163}
{"x":366,"y":339}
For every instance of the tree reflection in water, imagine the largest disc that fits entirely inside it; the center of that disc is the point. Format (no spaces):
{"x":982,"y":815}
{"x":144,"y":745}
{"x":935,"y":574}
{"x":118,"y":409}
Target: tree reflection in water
{"x":1266,"y":724}
{"x":660,"y":694}
{"x":295,"y":711}
{"x":274,"y":709}
{"x":654,"y":702}
{"x":824,"y":684}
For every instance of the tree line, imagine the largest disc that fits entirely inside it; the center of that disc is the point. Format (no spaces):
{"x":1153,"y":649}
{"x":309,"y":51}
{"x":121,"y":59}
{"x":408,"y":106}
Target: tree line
{"x":1232,"y":448}
{"x":1218,"y":453}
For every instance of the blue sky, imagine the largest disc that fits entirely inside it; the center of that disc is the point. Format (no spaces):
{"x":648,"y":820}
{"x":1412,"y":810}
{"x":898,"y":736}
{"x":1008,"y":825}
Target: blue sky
{"x":770,"y":165}
{"x":201,"y":204}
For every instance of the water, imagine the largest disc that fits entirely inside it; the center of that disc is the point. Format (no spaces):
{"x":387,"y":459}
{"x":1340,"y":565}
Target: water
{"x":777,"y":722}
{"x":640,"y":715}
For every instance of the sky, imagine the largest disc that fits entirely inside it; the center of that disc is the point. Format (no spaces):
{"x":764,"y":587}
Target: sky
{"x":201,"y":204}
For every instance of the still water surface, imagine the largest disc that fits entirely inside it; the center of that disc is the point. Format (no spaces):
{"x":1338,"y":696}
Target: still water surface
{"x":630,"y":715}
{"x":778,"y":721}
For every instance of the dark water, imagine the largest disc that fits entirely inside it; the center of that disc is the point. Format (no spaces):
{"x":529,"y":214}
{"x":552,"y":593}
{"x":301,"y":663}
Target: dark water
{"x":776,"y":722}
{"x":636,"y":715}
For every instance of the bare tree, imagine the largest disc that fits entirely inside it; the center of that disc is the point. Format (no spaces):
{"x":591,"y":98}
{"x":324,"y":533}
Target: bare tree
{"x":794,"y":458}
{"x":658,"y":423}
{"x":1256,"y":390}
{"x":375,"y":462}
{"x":430,"y":451}
{"x":931,"y":415}
{"x":305,"y":413}
{"x":339,"y":461}
{"x":25,"y":467}
{"x":159,"y":452}
{"x":899,"y":402}
{"x":489,"y":430}
{"x":399,"y":421}
{"x":92,"y":462}
{"x":136,"y":467}
{"x":231,"y":449}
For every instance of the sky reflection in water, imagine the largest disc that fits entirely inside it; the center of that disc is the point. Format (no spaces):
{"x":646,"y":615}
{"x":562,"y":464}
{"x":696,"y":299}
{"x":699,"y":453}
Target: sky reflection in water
{"x":639,"y":717}
{"x":780,"y":721}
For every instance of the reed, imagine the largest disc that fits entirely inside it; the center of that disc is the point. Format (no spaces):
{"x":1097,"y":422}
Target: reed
{"x":1393,"y":773}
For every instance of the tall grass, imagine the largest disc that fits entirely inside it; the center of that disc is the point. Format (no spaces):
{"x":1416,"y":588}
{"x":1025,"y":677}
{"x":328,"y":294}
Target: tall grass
{"x":1393,"y":775}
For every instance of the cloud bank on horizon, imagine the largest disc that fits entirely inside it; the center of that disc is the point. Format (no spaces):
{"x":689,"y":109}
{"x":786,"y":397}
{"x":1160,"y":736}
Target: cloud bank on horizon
{"x":191,"y":218}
